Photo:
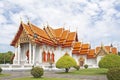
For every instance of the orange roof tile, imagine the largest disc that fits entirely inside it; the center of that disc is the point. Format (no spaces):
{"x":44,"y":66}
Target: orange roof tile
{"x":58,"y":32}
{"x":97,"y":49}
{"x":71,"y":36}
{"x":85,"y":46}
{"x":77,"y":45}
{"x":75,"y":52}
{"x":90,"y":56}
{"x":85,"y":51}
{"x":91,"y":52}
{"x":107,"y":48}
{"x":39,"y":31}
{"x":114,"y":50}
{"x":27,"y":29}
{"x":64,"y":35}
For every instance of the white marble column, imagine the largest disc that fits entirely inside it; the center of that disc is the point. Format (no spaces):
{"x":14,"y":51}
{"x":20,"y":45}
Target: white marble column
{"x":30,"y":53}
{"x":34,"y":48}
{"x":15,"y":52}
{"x":16,"y":55}
{"x":19,"y":50}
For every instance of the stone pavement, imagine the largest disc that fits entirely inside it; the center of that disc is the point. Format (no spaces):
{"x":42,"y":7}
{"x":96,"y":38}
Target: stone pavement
{"x":51,"y":74}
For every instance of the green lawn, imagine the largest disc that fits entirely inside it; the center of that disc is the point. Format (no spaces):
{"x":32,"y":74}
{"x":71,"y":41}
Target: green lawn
{"x":89,"y":71}
{"x":31,"y":78}
{"x":4,"y":75}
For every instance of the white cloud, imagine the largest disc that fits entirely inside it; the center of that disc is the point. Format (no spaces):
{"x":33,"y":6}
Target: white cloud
{"x":96,"y":19}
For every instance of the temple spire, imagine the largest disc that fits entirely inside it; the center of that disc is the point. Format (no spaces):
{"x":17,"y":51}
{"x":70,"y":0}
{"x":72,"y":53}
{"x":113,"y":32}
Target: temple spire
{"x":102,"y":45}
{"x":111,"y":45}
{"x":28,"y":19}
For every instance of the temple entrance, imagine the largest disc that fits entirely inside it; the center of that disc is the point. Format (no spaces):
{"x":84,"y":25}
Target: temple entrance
{"x":81,"y":61}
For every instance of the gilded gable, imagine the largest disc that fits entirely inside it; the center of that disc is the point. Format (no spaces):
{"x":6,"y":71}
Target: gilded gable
{"x":23,"y":37}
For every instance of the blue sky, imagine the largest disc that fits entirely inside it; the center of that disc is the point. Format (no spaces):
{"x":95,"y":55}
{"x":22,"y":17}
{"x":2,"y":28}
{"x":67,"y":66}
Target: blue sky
{"x":96,"y":21}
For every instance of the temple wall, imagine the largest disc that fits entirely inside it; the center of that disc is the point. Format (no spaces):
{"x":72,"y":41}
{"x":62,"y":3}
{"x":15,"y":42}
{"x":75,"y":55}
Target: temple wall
{"x":98,"y":58}
{"x":91,"y":62}
{"x":76,"y":57}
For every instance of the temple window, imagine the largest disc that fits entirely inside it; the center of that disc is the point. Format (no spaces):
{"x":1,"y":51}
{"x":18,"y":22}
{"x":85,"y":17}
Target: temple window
{"x":52,"y":57}
{"x":48,"y":57}
{"x":44,"y":56}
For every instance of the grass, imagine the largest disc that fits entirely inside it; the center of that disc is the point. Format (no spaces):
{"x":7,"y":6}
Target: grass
{"x":31,"y":78}
{"x":89,"y":71}
{"x":4,"y":75}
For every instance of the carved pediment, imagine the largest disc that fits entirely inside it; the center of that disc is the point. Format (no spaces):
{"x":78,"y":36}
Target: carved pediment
{"x":23,"y":38}
{"x":102,"y":52}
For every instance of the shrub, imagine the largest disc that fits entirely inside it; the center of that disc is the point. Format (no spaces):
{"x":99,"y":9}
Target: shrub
{"x":0,"y":70}
{"x":113,"y":74}
{"x":66,"y":62}
{"x":85,"y":66}
{"x":110,"y":61}
{"x":37,"y":72}
{"x":77,"y":67}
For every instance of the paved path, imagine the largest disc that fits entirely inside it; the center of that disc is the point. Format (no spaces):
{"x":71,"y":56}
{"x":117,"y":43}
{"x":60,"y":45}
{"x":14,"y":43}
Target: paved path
{"x":49,"y":74}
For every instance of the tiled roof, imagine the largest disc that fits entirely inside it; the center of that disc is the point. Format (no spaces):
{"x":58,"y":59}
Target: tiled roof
{"x":71,"y":36}
{"x":107,"y":48}
{"x":76,"y":45}
{"x":47,"y":35}
{"x":97,"y":49}
{"x":85,"y":46}
{"x":58,"y":32}
{"x":114,"y":50}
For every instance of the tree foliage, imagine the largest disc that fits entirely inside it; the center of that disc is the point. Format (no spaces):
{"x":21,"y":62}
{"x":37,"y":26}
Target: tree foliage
{"x":66,"y":61}
{"x":113,"y":74}
{"x":110,"y":61}
{"x":37,"y":72}
{"x":6,"y":57}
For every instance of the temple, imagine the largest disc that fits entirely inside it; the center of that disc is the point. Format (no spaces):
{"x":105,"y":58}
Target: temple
{"x":36,"y":46}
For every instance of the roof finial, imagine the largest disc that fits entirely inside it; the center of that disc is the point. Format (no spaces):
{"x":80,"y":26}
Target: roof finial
{"x":47,"y":24}
{"x":64,"y":25}
{"x":28,"y":19}
{"x":69,"y":28}
{"x":21,"y":19}
{"x":101,"y":45}
{"x":111,"y":45}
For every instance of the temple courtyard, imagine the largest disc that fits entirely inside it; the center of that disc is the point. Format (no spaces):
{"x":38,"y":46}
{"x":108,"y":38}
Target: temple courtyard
{"x":57,"y":75}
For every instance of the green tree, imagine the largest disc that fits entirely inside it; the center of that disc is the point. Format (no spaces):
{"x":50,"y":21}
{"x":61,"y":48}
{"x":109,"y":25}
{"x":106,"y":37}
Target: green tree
{"x":66,"y":61}
{"x":119,"y":53}
{"x":110,"y":61}
{"x":6,"y":57}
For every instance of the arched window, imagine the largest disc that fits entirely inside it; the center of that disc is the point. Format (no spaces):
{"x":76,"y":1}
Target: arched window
{"x":81,"y":61}
{"x":44,"y":56}
{"x":48,"y":56}
{"x":52,"y":57}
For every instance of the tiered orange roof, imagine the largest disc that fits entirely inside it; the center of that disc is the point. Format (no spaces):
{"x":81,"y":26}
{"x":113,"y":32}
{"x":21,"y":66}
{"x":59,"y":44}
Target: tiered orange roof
{"x":84,"y":48}
{"x":91,"y":53}
{"x":114,"y":50}
{"x":76,"y":47}
{"x":70,"y":38}
{"x":97,"y":49}
{"x":47,"y":35}
{"x":107,"y":48}
{"x":63,"y":36}
{"x":58,"y":32}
